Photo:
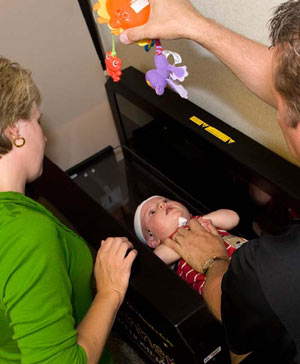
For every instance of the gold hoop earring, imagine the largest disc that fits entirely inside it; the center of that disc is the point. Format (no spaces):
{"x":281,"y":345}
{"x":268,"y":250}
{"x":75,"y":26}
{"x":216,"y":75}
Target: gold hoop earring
{"x":19,"y":142}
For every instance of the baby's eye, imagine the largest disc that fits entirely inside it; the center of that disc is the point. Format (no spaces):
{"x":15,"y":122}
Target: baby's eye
{"x":166,"y":200}
{"x":149,"y":233}
{"x":152,"y":212}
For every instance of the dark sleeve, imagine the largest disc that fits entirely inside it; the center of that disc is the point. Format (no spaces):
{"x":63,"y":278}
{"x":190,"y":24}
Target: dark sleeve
{"x":248,"y":319}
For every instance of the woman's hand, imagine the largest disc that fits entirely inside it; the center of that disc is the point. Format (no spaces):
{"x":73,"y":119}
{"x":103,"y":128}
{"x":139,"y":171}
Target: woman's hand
{"x":169,"y":19}
{"x":197,"y":245}
{"x":112,"y":271}
{"x":112,"y":267}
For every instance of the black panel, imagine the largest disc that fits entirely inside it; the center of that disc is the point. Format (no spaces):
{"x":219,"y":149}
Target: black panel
{"x":215,"y":172}
{"x":161,"y":315}
{"x":166,"y":153}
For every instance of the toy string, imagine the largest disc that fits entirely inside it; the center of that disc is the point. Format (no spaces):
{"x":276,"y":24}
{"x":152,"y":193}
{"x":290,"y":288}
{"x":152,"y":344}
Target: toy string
{"x":158,"y":45}
{"x":113,"y":51}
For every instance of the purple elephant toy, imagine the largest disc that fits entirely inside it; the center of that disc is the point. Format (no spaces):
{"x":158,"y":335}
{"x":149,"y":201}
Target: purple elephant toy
{"x":166,"y":74}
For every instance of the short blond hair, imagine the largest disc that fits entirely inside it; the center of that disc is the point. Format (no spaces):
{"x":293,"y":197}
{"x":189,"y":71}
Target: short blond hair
{"x":285,"y":38}
{"x":18,"y":93}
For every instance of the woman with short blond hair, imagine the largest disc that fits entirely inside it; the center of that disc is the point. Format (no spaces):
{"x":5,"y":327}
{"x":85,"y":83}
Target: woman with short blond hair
{"x":47,"y":312}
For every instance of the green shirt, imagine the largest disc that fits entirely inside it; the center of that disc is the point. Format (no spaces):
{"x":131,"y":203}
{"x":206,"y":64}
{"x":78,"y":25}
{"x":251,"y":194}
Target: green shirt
{"x":45,"y":291}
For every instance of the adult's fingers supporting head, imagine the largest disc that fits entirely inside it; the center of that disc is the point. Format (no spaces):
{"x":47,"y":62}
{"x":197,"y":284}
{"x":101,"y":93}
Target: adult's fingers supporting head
{"x":196,"y":227}
{"x":172,"y":244}
{"x":183,"y":231}
{"x":176,"y":237}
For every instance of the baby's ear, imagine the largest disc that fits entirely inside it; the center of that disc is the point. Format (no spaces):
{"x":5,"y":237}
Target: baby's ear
{"x":153,"y":242}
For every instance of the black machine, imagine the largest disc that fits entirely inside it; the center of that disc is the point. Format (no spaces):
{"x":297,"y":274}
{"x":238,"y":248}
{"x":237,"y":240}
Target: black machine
{"x":170,"y":147}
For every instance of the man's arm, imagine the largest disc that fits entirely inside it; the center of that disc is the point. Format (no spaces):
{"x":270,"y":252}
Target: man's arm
{"x":212,"y":290}
{"x":195,"y":246}
{"x":251,"y":62}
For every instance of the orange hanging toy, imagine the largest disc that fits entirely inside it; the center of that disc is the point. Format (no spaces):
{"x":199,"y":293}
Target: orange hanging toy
{"x":122,"y":14}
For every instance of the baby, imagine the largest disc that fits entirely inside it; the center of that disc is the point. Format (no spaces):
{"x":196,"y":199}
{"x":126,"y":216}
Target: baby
{"x":158,"y":218}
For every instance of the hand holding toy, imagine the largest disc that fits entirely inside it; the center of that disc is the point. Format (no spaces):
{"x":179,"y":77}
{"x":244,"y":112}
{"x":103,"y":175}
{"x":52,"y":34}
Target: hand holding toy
{"x":124,"y":14}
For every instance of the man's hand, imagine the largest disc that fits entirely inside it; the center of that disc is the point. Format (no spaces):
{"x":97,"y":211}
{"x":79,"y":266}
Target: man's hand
{"x":197,"y":245}
{"x":169,"y":19}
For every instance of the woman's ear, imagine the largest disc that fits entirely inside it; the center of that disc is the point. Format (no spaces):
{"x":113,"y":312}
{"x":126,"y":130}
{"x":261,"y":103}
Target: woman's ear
{"x":12,"y":131}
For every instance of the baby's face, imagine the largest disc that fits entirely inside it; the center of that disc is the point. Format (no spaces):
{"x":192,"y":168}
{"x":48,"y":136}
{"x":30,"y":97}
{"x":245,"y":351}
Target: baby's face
{"x":159,"y":219}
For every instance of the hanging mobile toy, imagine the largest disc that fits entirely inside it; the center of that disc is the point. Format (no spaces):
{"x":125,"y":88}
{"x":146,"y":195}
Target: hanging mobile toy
{"x":123,"y":14}
{"x":166,"y":74}
{"x":120,"y":15}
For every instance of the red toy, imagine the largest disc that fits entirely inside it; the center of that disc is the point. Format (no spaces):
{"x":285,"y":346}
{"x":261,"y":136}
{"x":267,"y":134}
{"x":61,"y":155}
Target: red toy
{"x":113,"y":66}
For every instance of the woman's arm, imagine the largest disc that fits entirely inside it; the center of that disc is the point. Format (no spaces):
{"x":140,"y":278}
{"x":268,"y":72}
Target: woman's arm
{"x":38,"y":290}
{"x":112,"y":271}
{"x":223,"y":219}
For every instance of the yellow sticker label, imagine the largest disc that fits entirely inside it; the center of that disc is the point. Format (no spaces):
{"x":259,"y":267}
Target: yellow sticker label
{"x":210,"y":129}
{"x":199,"y":122}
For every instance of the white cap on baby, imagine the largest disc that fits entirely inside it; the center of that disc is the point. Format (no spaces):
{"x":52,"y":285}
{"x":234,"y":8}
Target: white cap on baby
{"x":137,"y":220}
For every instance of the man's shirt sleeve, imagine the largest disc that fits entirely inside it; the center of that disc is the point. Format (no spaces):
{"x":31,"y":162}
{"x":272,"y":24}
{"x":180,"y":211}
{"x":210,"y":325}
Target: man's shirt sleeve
{"x":250,"y":323}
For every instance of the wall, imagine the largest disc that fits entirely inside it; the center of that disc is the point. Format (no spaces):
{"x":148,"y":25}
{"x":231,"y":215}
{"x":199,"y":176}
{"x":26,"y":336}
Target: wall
{"x":210,"y":84}
{"x":51,"y":39}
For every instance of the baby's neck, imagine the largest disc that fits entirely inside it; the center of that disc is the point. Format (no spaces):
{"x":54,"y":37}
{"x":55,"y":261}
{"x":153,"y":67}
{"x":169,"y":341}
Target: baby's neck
{"x":182,"y":222}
